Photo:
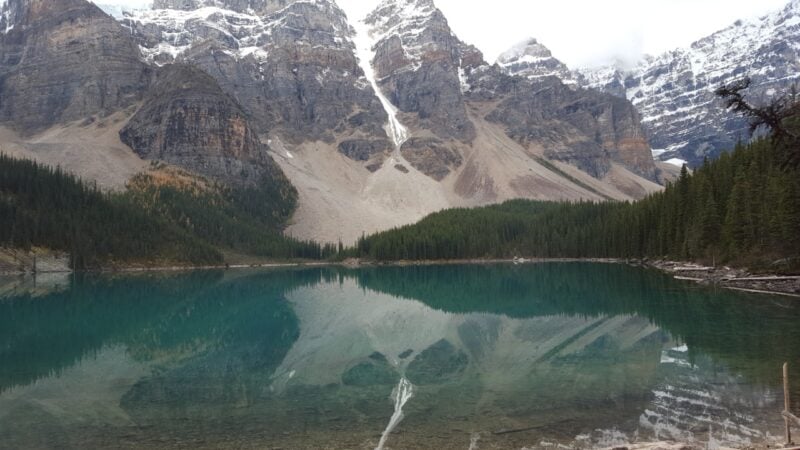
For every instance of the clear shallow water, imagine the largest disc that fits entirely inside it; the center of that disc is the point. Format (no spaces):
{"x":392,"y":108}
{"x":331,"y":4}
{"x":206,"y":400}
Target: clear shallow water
{"x":572,"y":354}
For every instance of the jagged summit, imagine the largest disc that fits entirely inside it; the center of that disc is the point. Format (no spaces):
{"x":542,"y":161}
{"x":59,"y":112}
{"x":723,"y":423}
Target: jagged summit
{"x":674,"y":91}
{"x":529,"y":49}
{"x":531,"y":59}
{"x":418,"y":28}
{"x":173,"y":27}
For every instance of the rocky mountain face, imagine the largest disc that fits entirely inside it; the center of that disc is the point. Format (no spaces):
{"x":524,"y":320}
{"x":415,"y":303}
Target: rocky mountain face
{"x":435,"y":78}
{"x":418,"y":60}
{"x":62,"y":61}
{"x":66,"y":60}
{"x":377,"y":122}
{"x":291,"y":65}
{"x":674,"y":92}
{"x":188,"y":121}
{"x":581,"y":127}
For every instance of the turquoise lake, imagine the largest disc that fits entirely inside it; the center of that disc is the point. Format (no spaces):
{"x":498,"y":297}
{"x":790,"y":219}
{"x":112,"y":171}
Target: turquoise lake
{"x":552,"y":355}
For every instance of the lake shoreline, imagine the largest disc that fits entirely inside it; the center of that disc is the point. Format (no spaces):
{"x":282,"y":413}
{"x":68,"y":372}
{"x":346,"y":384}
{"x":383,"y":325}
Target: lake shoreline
{"x":728,"y":278}
{"x":724,"y":277}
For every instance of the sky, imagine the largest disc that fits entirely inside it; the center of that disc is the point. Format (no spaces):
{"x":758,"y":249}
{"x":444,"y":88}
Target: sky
{"x":580,"y":32}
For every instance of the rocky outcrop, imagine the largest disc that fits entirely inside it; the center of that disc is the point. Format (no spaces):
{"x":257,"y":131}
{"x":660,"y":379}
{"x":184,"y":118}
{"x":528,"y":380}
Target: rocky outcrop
{"x":64,"y":60}
{"x":188,"y":121}
{"x":431,"y":156}
{"x":584,"y":128}
{"x":364,"y":149}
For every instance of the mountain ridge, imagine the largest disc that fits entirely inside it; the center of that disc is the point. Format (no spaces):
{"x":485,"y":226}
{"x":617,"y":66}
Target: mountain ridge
{"x":290,"y":85}
{"x":674,"y":91}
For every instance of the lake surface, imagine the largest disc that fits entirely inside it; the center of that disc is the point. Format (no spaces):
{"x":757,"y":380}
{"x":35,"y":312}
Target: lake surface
{"x":572,"y":354}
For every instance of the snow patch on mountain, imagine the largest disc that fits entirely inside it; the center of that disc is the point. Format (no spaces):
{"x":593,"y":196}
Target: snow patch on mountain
{"x":532,"y":60}
{"x":365,"y":44}
{"x":168,"y":33}
{"x":407,"y":20}
{"x":118,"y":11}
{"x":674,"y":91}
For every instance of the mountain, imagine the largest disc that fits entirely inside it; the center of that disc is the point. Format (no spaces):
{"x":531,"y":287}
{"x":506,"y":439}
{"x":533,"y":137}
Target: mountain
{"x":184,"y":100}
{"x":531,"y":59}
{"x":375,"y":123}
{"x":64,"y":60}
{"x":674,"y":92}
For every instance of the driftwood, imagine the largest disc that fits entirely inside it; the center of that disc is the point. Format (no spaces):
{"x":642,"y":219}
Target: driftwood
{"x":763,"y":279}
{"x":791,"y":417}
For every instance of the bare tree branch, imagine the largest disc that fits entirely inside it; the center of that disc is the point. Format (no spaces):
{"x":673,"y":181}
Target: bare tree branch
{"x":776,"y":116}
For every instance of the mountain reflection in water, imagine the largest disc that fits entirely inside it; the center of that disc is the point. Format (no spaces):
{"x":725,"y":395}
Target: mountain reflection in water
{"x":577,"y":354}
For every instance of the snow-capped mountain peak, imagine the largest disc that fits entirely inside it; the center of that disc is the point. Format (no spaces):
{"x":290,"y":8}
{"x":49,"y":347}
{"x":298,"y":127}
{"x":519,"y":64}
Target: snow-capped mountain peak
{"x":674,"y":91}
{"x":407,"y":20}
{"x":173,"y":27}
{"x":531,"y":59}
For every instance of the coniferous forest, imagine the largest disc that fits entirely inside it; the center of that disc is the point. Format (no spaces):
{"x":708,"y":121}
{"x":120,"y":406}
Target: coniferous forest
{"x":743,"y":208}
{"x":149,"y":223}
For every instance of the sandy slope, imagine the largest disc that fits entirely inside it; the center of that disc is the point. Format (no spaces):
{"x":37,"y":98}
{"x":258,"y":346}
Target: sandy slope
{"x":341,"y":200}
{"x":92,"y":151}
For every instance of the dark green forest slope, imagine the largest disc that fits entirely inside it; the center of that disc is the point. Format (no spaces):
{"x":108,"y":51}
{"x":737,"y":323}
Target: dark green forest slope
{"x":152,"y":223}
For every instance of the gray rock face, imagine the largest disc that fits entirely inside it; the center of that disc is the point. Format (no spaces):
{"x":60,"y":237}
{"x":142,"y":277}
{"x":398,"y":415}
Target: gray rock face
{"x":582,"y":127}
{"x":674,"y":91}
{"x":293,"y":69}
{"x":188,"y":121}
{"x":418,"y":62}
{"x":64,"y":60}
{"x":432,"y":76}
{"x":431,"y":156}
{"x":364,"y":149}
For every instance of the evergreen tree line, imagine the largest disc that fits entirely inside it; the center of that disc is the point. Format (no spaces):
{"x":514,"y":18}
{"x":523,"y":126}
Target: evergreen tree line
{"x":246,"y":219}
{"x":47,"y":207}
{"x":743,"y":208}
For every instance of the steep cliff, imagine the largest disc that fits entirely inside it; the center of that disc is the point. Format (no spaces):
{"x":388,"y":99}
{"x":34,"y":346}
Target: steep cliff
{"x":581,"y":127}
{"x":64,"y":60}
{"x":187,"y":120}
{"x":291,"y":65}
{"x":435,"y":78}
{"x":417,"y":61}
